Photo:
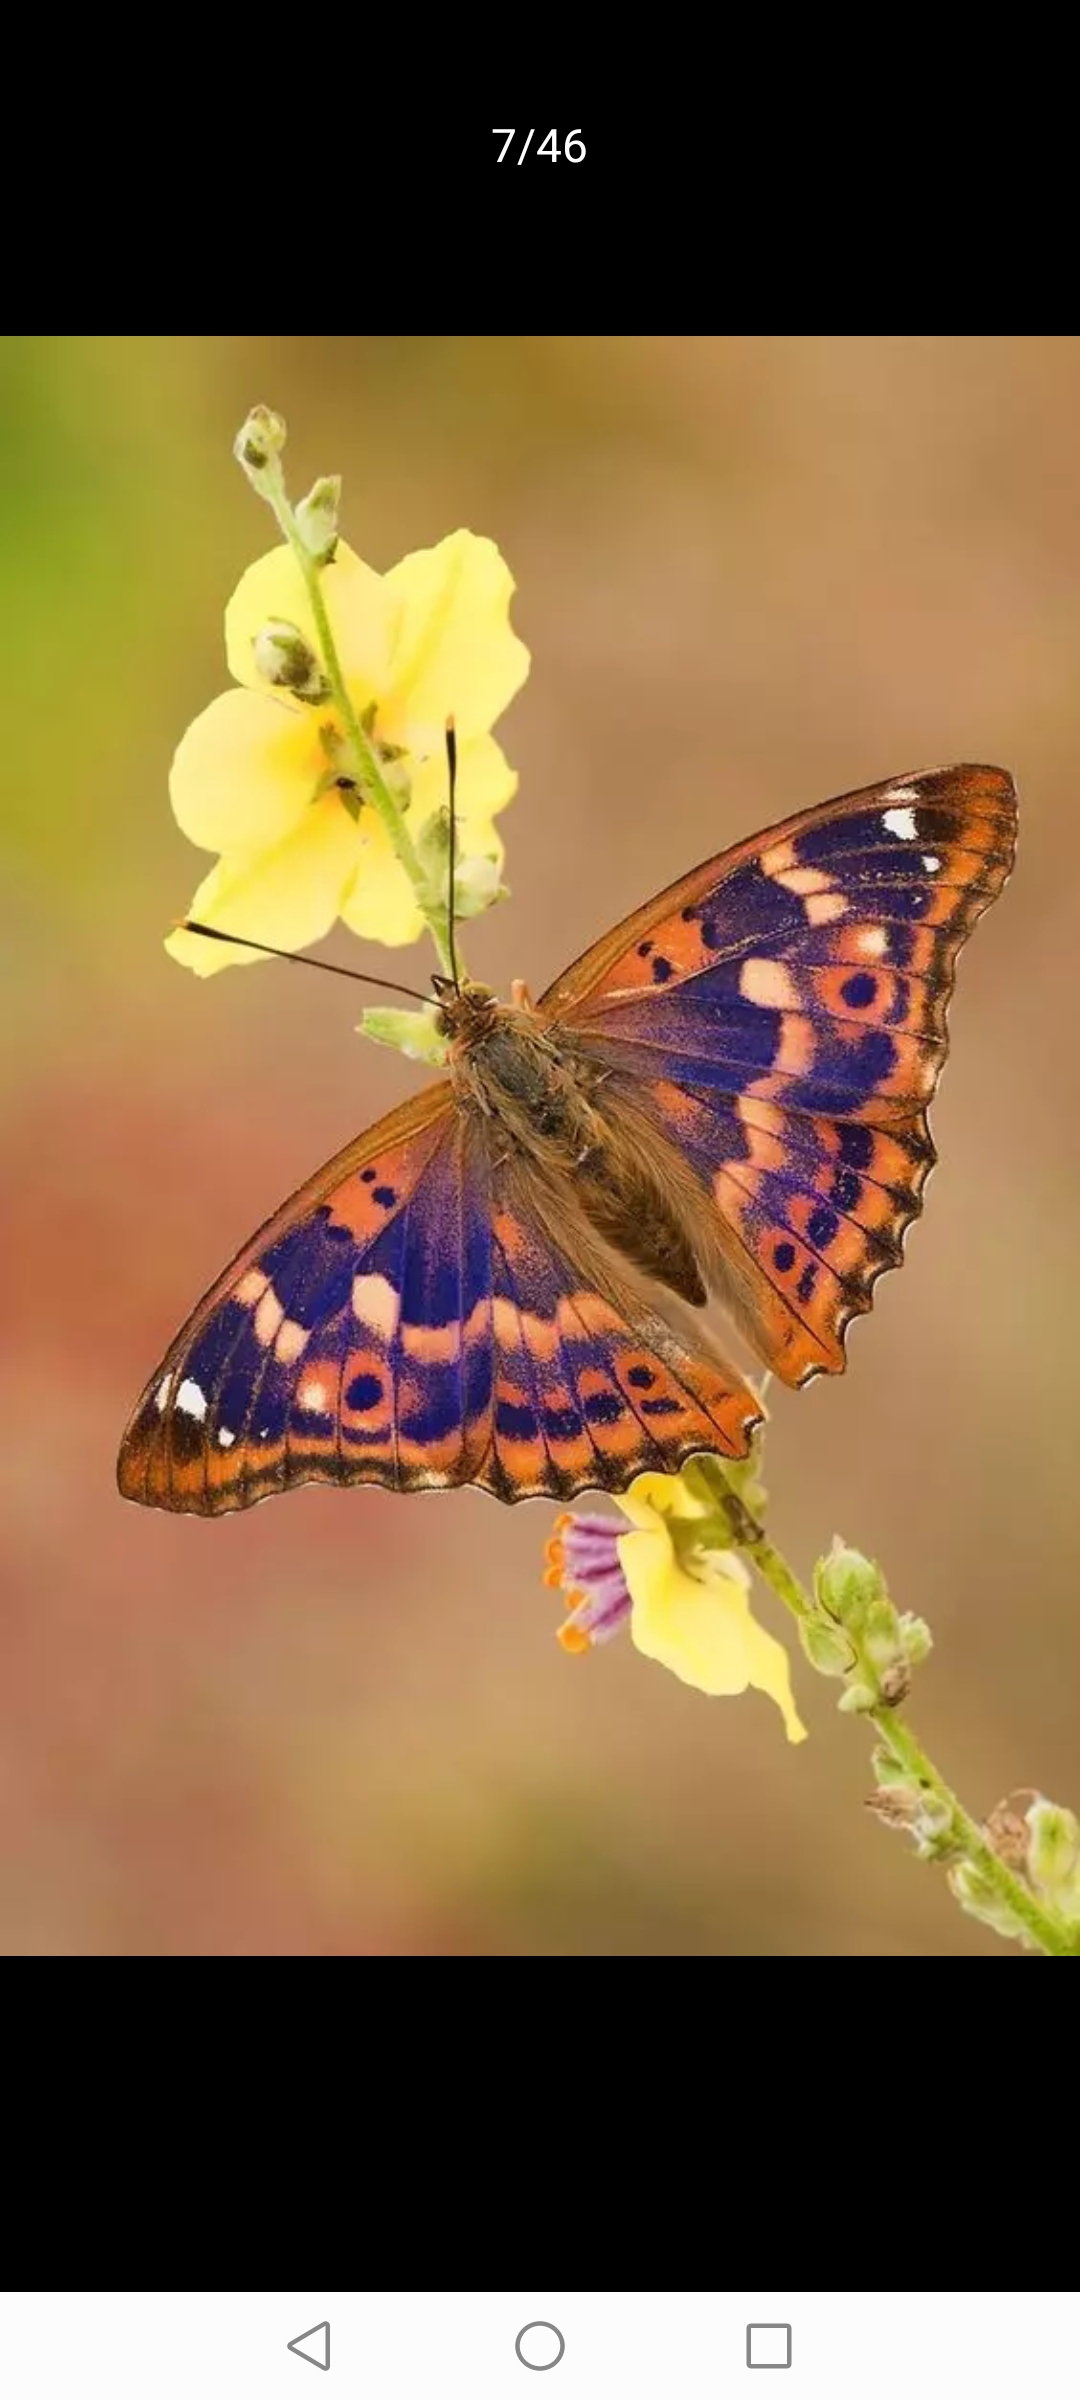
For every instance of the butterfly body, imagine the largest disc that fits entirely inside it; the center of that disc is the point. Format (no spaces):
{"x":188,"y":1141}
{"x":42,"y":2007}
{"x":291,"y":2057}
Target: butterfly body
{"x":540,"y":1096}
{"x":726,"y":1097}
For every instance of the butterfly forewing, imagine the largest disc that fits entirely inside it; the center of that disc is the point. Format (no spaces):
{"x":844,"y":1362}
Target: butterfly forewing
{"x":779,"y":1017}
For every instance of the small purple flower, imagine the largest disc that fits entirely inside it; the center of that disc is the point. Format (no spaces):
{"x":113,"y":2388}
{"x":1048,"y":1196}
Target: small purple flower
{"x":582,"y":1561}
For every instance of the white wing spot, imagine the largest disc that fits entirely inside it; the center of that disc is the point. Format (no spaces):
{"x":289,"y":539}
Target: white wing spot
{"x":268,"y":1317}
{"x":766,"y":983}
{"x":901,"y":821}
{"x":191,"y":1399}
{"x":225,"y":1438}
{"x":823,"y":908}
{"x":375,"y":1304}
{"x":931,"y":863}
{"x":162,"y":1393}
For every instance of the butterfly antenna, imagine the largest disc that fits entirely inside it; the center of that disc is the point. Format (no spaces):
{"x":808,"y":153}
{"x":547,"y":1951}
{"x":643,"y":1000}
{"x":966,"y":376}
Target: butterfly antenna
{"x":296,"y":958}
{"x":451,"y":768}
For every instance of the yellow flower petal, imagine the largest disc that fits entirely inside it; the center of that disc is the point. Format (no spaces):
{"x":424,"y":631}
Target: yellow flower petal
{"x":485,"y":782}
{"x":363,"y":615}
{"x":288,"y":895}
{"x":651,"y":1498}
{"x":245,"y":771}
{"x":454,"y":653}
{"x":379,"y":903}
{"x":703,"y":1631}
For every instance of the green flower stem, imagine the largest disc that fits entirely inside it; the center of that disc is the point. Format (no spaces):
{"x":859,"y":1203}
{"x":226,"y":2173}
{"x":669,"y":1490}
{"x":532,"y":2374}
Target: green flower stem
{"x":964,"y":1833}
{"x":776,"y":1571}
{"x":961,"y":1835}
{"x":269,"y":482}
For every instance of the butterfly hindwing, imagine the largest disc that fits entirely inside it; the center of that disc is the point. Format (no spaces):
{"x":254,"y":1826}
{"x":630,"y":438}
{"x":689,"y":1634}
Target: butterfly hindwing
{"x":254,"y":1393}
{"x":779,"y":1017}
{"x":592,"y":1385}
{"x":799,"y":1214}
{"x":411,"y":1319}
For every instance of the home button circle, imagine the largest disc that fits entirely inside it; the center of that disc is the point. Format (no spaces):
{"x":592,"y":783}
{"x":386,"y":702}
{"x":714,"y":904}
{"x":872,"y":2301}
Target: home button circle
{"x":539,"y":2345}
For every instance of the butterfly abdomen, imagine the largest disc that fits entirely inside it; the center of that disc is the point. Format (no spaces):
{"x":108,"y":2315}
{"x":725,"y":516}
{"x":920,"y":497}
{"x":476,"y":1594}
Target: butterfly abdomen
{"x":628,"y":1206}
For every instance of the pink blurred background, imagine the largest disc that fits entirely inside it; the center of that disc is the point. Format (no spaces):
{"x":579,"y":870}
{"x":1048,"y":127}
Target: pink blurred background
{"x":753,"y":571}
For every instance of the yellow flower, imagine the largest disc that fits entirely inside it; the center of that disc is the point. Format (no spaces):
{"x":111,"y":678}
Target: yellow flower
{"x":252,"y":776}
{"x":688,"y":1605}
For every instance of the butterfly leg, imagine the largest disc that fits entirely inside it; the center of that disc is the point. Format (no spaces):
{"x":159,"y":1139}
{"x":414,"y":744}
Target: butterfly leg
{"x":520,"y":995}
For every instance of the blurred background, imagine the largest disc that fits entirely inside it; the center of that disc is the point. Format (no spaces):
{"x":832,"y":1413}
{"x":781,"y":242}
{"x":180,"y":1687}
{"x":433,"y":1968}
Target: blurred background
{"x":753,"y":571}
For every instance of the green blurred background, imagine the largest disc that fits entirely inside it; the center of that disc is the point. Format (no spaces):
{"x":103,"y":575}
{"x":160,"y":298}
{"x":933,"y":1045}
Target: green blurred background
{"x":753,"y":571}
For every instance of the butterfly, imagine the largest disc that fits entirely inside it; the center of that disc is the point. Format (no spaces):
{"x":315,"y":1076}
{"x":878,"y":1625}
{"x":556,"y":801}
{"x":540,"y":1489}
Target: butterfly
{"x":726,"y":1096}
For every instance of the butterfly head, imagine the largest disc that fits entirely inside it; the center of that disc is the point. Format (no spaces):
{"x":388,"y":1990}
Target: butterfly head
{"x":467,"y":1011}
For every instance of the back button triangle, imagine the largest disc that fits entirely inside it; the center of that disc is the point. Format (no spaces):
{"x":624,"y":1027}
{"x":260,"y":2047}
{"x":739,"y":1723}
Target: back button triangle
{"x":314,"y":2345}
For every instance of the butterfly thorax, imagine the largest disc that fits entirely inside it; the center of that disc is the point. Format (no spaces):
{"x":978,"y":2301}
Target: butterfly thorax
{"x":510,"y":1065}
{"x":542,"y":1102}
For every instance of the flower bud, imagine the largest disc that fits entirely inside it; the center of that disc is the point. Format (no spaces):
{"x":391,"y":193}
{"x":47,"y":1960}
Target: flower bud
{"x":979,"y":1899}
{"x":879,"y":1631}
{"x":285,"y":659}
{"x":477,"y":885}
{"x":317,"y":519}
{"x":905,"y":1804}
{"x":916,"y":1639}
{"x":857,"y":1699}
{"x":1053,"y":1854}
{"x":261,"y":439}
{"x":936,"y":1835}
{"x":847,"y":1585}
{"x":890,"y":1771}
{"x":1007,"y":1833}
{"x":826,"y":1647}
